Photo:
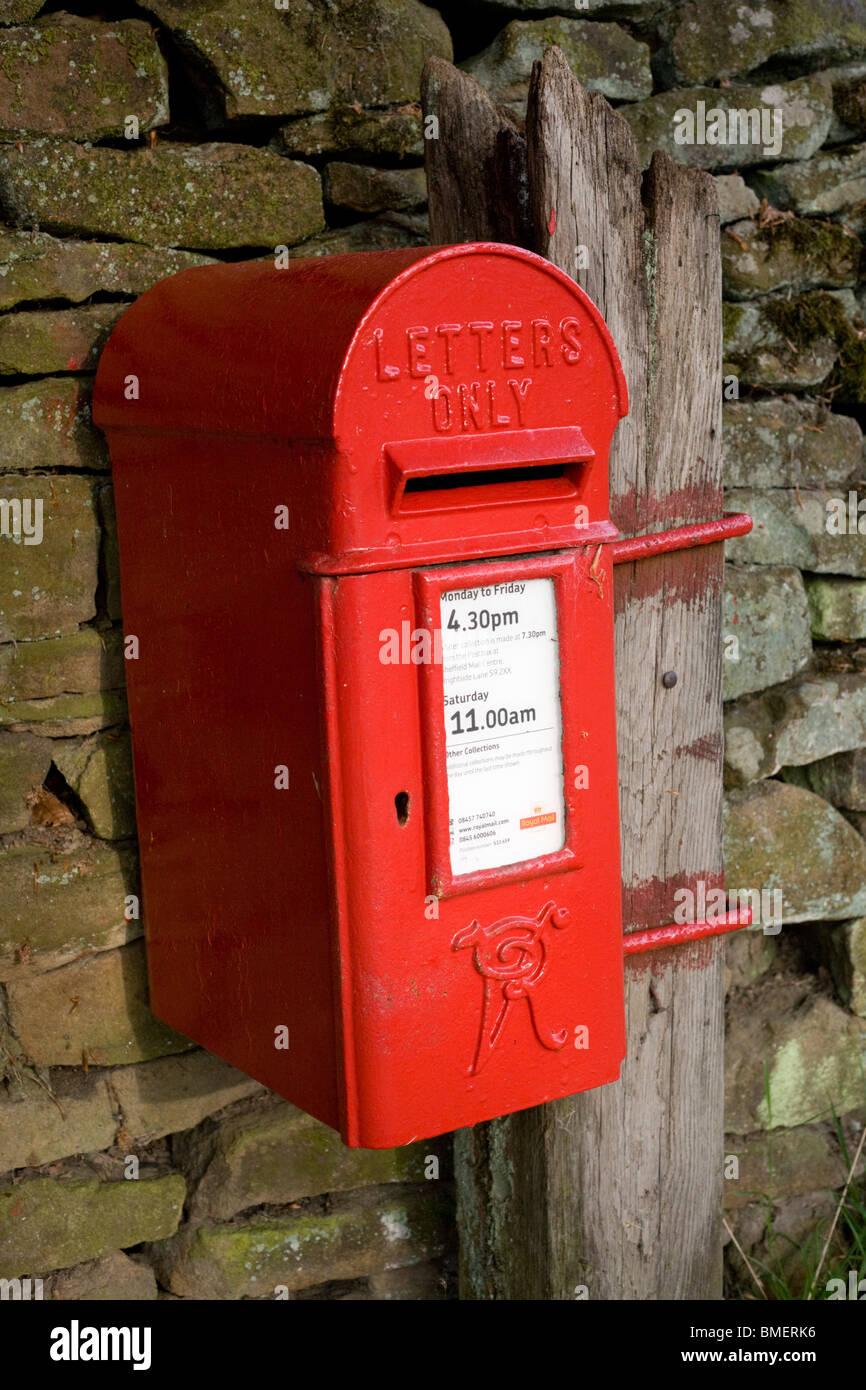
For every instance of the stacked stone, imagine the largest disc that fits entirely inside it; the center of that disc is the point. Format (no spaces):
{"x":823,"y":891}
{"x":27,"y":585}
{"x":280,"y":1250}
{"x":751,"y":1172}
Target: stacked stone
{"x":794,"y":667}
{"x":172,"y":134}
{"x":116,"y":1135}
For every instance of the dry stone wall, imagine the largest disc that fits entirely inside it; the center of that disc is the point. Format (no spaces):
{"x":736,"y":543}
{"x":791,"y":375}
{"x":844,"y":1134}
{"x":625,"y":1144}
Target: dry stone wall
{"x":167,"y":134}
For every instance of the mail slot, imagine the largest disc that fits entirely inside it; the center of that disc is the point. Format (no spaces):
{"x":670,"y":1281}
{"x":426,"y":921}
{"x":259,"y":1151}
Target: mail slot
{"x":362,"y":509}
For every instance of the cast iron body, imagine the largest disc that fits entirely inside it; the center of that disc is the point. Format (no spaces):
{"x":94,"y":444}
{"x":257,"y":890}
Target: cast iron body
{"x":348,"y":390}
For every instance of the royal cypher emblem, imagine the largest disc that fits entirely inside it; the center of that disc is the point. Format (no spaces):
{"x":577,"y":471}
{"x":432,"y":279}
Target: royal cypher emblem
{"x":511,"y":957}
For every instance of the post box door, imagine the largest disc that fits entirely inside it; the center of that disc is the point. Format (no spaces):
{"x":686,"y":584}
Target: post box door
{"x":473,"y":792}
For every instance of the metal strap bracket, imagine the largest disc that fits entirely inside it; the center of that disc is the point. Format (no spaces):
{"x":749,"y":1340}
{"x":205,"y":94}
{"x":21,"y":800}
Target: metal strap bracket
{"x":642,"y":548}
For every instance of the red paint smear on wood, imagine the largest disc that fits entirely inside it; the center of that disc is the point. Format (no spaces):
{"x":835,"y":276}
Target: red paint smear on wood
{"x":641,"y":511}
{"x":551,"y":226}
{"x":697,"y":955}
{"x":708,"y":747}
{"x":651,"y":903}
{"x":690,"y":577}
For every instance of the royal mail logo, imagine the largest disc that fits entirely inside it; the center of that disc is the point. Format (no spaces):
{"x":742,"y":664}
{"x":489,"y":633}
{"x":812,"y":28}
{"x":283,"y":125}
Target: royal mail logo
{"x":511,"y":957}
{"x":528,"y":822}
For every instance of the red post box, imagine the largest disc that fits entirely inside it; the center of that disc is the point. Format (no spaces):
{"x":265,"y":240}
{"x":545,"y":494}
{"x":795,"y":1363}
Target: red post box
{"x":363,"y":511}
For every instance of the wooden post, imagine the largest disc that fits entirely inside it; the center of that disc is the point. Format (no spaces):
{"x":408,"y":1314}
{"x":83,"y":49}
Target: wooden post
{"x":617,"y":1193}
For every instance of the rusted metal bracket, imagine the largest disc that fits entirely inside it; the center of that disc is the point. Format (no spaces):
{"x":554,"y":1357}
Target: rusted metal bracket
{"x":680,"y":538}
{"x":641,"y":548}
{"x":681,"y":933}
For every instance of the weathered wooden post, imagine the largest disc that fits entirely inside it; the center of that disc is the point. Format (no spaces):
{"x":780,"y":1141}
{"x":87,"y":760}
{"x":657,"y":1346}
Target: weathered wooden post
{"x":617,"y":1192}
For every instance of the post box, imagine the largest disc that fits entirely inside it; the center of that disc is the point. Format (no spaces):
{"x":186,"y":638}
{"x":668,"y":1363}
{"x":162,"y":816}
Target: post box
{"x":362,"y":507}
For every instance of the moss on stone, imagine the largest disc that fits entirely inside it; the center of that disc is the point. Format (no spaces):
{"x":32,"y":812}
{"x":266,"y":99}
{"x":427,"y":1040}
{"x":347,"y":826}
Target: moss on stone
{"x":394,"y":132}
{"x":721,"y":38}
{"x":813,"y":1078}
{"x":775,"y":443}
{"x":50,"y":588}
{"x":61,"y":716}
{"x":790,"y":528}
{"x":732,"y":317}
{"x":19,"y":11}
{"x":832,"y":184}
{"x":47,"y":425}
{"x":80,"y":663}
{"x":58,"y":905}
{"x":223,"y":195}
{"x":813,"y":240}
{"x":604,"y":56}
{"x":51,"y":1223}
{"x":111,"y":1023}
{"x":765,"y":607}
{"x":837,"y":608}
{"x":113,"y":69}
{"x":99,"y":771}
{"x":53,"y":341}
{"x":804,"y":319}
{"x":281,"y":1155}
{"x":249,"y":1259}
{"x":304,"y":59}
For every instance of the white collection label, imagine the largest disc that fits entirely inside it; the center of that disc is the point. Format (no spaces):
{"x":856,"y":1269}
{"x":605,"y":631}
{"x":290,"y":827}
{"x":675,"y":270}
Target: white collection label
{"x":503,"y":724}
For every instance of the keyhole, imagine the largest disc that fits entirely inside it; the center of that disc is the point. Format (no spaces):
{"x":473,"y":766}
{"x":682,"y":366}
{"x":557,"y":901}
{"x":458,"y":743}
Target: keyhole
{"x":401,"y":802}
